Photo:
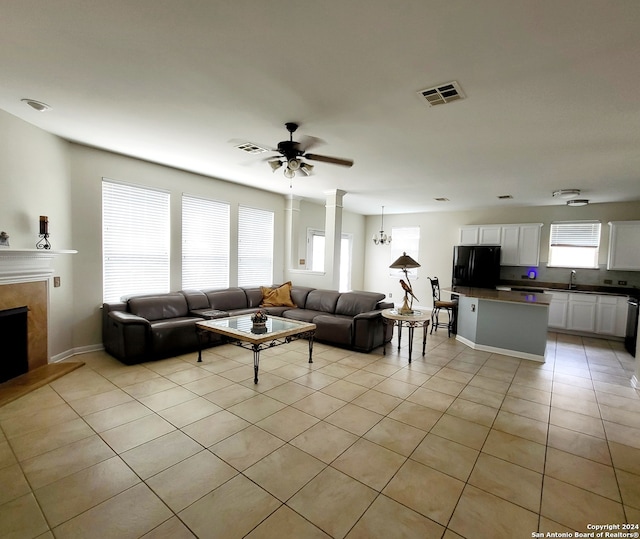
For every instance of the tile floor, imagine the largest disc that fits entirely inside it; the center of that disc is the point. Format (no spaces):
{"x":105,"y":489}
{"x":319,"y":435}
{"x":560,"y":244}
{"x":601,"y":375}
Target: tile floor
{"x":458,"y":444}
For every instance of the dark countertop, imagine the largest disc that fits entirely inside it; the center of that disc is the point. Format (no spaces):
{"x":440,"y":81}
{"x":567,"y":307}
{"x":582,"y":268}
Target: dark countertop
{"x":541,"y":286}
{"x":529,"y":297}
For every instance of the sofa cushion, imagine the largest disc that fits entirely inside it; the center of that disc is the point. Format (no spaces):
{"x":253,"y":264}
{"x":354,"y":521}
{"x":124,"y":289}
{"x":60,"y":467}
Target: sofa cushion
{"x":334,"y":329}
{"x":303,"y":315}
{"x":352,"y":303}
{"x":196,"y":299}
{"x":160,"y":306}
{"x":277,"y":297}
{"x":227,"y":299}
{"x":322,"y":300}
{"x":299,"y":295}
{"x":254,"y":296}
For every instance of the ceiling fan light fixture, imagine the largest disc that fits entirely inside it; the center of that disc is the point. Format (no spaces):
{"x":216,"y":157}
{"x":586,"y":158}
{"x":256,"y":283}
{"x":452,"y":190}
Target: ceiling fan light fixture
{"x":293,"y":164}
{"x":578,"y":202}
{"x":288,"y":173}
{"x":566,"y":194}
{"x":275,"y":164}
{"x":306,"y":168}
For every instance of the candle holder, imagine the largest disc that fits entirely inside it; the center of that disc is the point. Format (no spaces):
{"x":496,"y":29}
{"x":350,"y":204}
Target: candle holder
{"x":44,"y":241}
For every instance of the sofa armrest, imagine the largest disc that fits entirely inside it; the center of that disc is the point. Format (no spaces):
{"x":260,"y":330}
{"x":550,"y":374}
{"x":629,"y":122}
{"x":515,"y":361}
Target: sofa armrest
{"x":125,"y":336}
{"x":370,"y":315}
{"x":122,"y":317}
{"x":370,"y":331}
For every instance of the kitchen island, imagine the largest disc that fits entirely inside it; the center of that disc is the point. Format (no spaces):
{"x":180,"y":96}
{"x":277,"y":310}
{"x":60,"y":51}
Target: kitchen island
{"x":503,"y":322}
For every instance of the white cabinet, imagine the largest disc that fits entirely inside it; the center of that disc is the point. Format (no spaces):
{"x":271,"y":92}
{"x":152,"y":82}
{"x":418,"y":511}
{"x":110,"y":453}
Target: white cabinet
{"x":519,"y":243}
{"x":611,"y":316}
{"x":624,"y":246}
{"x":529,"y":245}
{"x":489,"y":235}
{"x":582,"y":312}
{"x":588,"y":313}
{"x":509,"y":245}
{"x":558,"y":310}
{"x":470,"y":235}
{"x":480,"y":235}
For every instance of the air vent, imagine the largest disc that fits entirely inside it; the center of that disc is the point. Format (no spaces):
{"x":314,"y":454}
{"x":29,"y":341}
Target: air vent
{"x":505,"y":197}
{"x":249,"y":147}
{"x":440,"y":95}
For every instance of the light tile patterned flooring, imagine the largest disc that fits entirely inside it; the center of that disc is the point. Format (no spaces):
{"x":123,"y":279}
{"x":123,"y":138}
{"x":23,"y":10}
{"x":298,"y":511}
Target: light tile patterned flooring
{"x":458,"y":444}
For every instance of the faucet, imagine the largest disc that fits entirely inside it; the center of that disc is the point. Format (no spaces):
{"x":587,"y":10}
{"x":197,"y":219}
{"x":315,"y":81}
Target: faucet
{"x":572,"y":279}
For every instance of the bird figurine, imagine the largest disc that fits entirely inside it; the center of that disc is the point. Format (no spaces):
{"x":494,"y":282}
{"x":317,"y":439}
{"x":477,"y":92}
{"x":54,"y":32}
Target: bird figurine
{"x":407,"y":289}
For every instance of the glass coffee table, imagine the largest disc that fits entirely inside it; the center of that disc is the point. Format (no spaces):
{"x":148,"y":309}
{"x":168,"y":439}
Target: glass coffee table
{"x":239,"y":331}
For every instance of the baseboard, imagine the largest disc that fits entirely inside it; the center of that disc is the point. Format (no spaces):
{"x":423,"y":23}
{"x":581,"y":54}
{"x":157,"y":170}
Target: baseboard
{"x":501,"y":351}
{"x":75,"y":352}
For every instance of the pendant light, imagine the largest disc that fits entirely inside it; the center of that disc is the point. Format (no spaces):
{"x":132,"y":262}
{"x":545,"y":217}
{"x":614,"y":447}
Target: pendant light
{"x":382,"y":238}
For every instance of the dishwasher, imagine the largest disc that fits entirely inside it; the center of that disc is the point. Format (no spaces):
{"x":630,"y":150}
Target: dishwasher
{"x":631,"y":337}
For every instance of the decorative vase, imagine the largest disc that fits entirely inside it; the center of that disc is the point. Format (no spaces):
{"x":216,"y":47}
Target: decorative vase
{"x":259,"y":322}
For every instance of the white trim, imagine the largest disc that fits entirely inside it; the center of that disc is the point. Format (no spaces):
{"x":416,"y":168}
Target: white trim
{"x":635,"y":382}
{"x":75,"y":352}
{"x":501,"y":351}
{"x":27,"y":265}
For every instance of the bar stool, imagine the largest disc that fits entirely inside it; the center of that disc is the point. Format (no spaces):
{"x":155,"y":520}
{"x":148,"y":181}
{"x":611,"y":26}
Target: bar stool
{"x":450,"y":306}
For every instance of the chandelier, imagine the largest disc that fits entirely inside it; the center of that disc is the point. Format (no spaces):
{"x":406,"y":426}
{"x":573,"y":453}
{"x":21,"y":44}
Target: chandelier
{"x":382,"y":238}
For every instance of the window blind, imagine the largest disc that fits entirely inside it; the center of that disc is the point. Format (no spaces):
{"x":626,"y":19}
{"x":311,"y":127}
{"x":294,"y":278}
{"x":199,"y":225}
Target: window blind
{"x":404,"y":240}
{"x":575,"y":234}
{"x":135,"y":240}
{"x":255,"y":246}
{"x":205,"y":243}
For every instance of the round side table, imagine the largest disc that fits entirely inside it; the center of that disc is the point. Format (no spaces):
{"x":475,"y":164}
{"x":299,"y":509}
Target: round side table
{"x":411,"y":321}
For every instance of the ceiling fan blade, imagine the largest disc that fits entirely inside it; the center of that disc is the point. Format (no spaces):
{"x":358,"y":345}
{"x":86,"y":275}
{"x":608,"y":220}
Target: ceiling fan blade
{"x":327,"y":159}
{"x":307,"y":142}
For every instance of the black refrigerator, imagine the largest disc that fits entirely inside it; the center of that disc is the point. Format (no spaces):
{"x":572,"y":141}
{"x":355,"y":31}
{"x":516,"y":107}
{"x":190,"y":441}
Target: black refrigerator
{"x":477,"y":266}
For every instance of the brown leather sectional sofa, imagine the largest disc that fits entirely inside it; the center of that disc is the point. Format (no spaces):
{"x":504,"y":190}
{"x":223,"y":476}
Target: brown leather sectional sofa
{"x":157,"y":326}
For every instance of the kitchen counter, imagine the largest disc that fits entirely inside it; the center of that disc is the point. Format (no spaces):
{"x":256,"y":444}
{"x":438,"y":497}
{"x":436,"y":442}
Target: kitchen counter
{"x":503,"y":322}
{"x":540,"y":286}
{"x":532,"y":297}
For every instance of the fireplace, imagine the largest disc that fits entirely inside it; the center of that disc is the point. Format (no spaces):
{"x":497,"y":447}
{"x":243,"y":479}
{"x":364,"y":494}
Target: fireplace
{"x":13,"y":342}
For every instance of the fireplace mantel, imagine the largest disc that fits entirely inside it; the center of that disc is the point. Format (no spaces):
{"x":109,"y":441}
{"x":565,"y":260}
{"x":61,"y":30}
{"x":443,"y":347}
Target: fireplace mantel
{"x":23,"y":265}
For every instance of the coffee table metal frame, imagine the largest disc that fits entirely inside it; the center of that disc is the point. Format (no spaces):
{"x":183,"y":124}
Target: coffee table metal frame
{"x":237,"y":329}
{"x":411,"y":321}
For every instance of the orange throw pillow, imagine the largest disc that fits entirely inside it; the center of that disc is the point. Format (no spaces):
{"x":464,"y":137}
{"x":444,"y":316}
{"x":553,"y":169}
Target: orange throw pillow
{"x":277,"y":297}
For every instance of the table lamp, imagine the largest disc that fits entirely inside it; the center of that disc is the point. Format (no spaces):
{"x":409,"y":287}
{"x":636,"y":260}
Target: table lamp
{"x":405,"y":263}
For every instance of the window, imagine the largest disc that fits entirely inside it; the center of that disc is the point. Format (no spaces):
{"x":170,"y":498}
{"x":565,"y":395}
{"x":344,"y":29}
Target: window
{"x":255,"y":246}
{"x":315,"y":255}
{"x":135,"y":240}
{"x":574,"y":244}
{"x":315,"y":249}
{"x":404,"y":240}
{"x":205,"y":243}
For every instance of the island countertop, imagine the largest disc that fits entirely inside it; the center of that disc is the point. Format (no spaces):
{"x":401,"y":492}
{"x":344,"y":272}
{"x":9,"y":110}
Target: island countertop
{"x":533,"y":298}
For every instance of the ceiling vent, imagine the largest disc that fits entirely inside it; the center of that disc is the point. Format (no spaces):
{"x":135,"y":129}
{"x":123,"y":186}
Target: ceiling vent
{"x":249,"y":147}
{"x":442,"y":94}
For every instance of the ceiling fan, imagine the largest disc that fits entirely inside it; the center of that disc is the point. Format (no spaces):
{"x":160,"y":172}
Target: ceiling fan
{"x":292,"y":154}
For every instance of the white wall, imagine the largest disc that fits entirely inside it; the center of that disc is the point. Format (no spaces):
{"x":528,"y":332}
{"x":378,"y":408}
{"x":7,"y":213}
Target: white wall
{"x":89,"y":166}
{"x":439,"y":233}
{"x":34,"y":181}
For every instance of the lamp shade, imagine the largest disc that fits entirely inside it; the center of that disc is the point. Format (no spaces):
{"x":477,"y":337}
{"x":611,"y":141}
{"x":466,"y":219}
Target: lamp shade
{"x":405,"y":261}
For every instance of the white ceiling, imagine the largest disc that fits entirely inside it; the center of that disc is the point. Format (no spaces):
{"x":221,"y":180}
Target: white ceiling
{"x":552,"y":92}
